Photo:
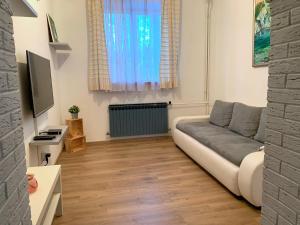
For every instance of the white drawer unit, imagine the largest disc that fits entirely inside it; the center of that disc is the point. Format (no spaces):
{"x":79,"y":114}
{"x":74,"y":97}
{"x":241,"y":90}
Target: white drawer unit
{"x":46,"y":202}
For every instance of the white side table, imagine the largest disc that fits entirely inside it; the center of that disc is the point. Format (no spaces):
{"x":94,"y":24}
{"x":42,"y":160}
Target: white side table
{"x":46,"y":202}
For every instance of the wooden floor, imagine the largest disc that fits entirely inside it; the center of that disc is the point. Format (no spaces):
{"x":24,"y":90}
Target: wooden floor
{"x":145,"y":182}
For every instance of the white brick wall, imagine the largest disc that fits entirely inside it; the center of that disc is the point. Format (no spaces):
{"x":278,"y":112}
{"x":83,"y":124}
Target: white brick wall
{"x":281,"y":197}
{"x":14,"y":201}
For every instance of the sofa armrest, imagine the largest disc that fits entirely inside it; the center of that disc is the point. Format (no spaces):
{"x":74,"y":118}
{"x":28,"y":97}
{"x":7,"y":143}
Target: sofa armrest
{"x":250,"y":177}
{"x":189,"y":119}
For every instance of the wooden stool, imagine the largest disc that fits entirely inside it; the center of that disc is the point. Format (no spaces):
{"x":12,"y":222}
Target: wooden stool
{"x":75,"y":140}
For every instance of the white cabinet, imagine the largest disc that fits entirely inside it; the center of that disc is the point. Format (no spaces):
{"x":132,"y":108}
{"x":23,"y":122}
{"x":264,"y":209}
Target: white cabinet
{"x":26,"y":8}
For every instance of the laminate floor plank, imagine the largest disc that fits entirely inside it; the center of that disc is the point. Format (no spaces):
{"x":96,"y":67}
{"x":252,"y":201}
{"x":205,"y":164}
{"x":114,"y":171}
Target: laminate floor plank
{"x":145,"y":181}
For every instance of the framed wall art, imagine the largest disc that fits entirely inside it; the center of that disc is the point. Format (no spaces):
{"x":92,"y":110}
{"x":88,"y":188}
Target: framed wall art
{"x":261,"y":33}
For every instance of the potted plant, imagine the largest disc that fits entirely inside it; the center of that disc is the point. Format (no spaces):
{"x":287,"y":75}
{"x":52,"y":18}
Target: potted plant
{"x":74,"y":110}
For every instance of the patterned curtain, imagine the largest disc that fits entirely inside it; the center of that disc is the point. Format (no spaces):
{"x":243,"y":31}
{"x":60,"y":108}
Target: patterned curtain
{"x":98,"y":73}
{"x":170,"y":43}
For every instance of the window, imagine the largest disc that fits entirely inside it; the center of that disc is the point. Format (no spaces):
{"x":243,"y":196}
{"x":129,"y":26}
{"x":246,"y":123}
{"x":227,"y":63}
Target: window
{"x":133,"y":42}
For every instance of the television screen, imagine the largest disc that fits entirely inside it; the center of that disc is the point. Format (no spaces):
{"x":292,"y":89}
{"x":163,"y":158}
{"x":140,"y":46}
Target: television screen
{"x":40,"y":82}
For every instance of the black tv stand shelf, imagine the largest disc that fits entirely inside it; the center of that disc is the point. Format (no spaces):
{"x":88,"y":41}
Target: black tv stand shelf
{"x":56,"y":141}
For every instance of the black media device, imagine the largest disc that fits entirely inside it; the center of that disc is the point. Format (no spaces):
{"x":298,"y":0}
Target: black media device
{"x":44,"y":138}
{"x":52,"y":132}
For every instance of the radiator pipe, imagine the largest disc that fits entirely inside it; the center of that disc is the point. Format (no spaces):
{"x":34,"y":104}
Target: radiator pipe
{"x":207,"y":66}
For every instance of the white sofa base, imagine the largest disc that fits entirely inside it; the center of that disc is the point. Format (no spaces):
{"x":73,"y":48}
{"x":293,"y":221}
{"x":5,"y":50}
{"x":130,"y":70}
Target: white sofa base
{"x":245,"y":180}
{"x":226,"y":172}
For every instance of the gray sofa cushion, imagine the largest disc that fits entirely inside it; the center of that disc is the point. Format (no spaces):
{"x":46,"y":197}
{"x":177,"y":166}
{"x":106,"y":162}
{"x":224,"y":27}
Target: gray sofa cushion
{"x":221,"y":113}
{"x":260,"y":135}
{"x":245,"y":119}
{"x":226,"y":143}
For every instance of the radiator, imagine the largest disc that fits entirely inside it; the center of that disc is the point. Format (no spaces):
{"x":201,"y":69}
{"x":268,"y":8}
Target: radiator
{"x":138,"y":119}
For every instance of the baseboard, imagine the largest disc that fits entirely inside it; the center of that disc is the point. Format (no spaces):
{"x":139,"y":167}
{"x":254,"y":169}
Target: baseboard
{"x":91,"y":143}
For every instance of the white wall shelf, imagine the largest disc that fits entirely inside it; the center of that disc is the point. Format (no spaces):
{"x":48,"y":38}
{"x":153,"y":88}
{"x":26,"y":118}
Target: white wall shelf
{"x":24,"y":8}
{"x":55,"y":141}
{"x":37,"y":146}
{"x":59,"y":46}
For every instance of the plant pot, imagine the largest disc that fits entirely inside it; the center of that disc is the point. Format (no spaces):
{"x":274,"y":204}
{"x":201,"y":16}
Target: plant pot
{"x":74,"y":116}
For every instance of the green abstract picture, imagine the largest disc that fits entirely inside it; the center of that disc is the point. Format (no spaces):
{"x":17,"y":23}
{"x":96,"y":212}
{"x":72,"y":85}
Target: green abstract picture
{"x":262,"y":32}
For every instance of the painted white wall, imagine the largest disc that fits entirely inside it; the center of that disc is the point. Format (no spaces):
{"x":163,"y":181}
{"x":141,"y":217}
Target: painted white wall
{"x":32,"y":34}
{"x":232,"y":76}
{"x":70,"y":17}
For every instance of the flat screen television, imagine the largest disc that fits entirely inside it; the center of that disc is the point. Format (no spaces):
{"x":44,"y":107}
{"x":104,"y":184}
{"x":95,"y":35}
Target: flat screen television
{"x":40,"y":81}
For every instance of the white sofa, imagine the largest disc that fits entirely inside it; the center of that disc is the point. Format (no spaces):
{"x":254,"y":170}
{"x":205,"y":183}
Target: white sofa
{"x":245,"y":180}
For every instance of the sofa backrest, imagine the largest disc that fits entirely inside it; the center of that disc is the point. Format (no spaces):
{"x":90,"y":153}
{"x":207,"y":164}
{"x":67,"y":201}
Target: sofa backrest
{"x":240,"y":118}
